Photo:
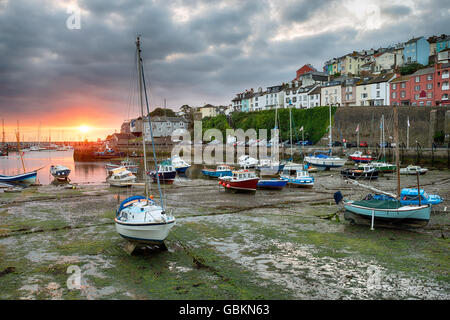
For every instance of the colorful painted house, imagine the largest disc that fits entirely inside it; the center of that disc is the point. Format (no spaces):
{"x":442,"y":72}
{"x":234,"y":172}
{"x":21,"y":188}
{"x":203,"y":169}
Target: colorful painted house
{"x":422,"y":87}
{"x":305,"y":69}
{"x":442,"y":43}
{"x":400,"y":91}
{"x":442,"y":84}
{"x":416,"y":50}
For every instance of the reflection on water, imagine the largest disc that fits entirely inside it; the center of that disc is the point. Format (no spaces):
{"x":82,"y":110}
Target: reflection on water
{"x":81,"y":172}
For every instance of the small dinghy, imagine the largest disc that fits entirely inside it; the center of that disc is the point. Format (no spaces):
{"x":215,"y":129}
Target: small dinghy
{"x":28,"y":178}
{"x":60,"y":172}
{"x":272,"y":184}
{"x":300,"y":179}
{"x":121,"y":177}
{"x":367,"y":172}
{"x":413,"y":170}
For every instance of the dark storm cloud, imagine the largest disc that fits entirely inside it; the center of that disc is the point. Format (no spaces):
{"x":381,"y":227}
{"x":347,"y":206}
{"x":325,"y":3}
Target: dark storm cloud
{"x":195,"y":51}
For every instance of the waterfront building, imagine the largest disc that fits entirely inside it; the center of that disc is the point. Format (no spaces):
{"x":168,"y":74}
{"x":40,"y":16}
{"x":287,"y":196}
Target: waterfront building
{"x":349,"y":91}
{"x":422,"y":87}
{"x":237,"y":102}
{"x":256,"y":102}
{"x":442,"y":83}
{"x":331,"y":93}
{"x":274,"y":97}
{"x":291,"y":94}
{"x":374,"y":91}
{"x":314,"y":97}
{"x":400,"y":91}
{"x":416,"y":50}
{"x":247,"y":96}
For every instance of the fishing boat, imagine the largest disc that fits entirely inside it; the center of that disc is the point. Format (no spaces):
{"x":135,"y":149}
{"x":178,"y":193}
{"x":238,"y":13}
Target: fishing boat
{"x":358,"y":157}
{"x":247,"y":162}
{"x":27,"y":178}
{"x":60,"y":172}
{"x":241,"y":180}
{"x":381,"y":167}
{"x":166,"y":173}
{"x":180,"y":165}
{"x":273,"y":184}
{"x":301,"y":178}
{"x":121,"y":177}
{"x":367,"y":172}
{"x":409,"y":196}
{"x":413,"y":170}
{"x":220,"y":171}
{"x":128,"y":164}
{"x":139,"y":219}
{"x":391,"y":211}
{"x":269,"y":166}
{"x":323,"y":161}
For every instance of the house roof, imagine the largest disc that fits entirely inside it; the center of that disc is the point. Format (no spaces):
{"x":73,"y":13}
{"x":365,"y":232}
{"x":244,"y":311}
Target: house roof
{"x":382,"y":78}
{"x":316,"y":90}
{"x":424,"y":71}
{"x":401,"y":79}
{"x":170,"y":119}
{"x":413,"y":40}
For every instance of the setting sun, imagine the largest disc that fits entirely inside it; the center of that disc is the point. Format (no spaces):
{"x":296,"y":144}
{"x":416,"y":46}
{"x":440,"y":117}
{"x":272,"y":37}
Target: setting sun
{"x":84,"y":129}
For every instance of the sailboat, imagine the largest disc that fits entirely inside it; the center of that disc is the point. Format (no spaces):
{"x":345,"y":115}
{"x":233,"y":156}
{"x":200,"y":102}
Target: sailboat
{"x":3,"y":149}
{"x":323,"y":161}
{"x":25,"y":178}
{"x":392,"y":211}
{"x":139,"y":219}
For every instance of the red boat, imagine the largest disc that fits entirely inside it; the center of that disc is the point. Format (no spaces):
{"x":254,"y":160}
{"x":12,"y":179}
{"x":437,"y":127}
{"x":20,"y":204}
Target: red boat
{"x":242,"y":180}
{"x":359,"y":157}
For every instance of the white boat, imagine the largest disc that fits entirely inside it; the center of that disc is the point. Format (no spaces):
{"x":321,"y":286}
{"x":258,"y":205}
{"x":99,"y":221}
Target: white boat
{"x":121,"y":177}
{"x":246,"y":161}
{"x":139,"y":219}
{"x":413,"y":170}
{"x":128,"y":164}
{"x":269,"y":166}
{"x":179,"y":164}
{"x":324,"y":162}
{"x":60,"y":172}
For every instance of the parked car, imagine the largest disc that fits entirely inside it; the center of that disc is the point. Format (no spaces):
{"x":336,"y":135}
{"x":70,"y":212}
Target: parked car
{"x":363,"y":144}
{"x":351,"y":145}
{"x":337,"y":144}
{"x":304,"y":143}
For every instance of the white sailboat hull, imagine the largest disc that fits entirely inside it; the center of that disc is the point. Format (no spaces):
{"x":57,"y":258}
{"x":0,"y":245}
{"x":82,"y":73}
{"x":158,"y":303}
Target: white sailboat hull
{"x":151,"y":233}
{"x":326,"y":162}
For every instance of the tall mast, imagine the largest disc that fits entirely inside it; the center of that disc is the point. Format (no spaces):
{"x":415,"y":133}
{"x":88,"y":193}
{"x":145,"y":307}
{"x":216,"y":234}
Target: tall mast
{"x":290,"y":129}
{"x":141,"y":101}
{"x":331,"y":134}
{"x":3,"y":132}
{"x":397,"y":154}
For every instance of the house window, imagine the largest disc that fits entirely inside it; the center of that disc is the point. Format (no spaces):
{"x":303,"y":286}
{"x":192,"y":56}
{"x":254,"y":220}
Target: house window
{"x":430,"y":77}
{"x":394,"y":86}
{"x":430,"y":95}
{"x":429,"y":86}
{"x":287,"y":100}
{"x":378,"y":94}
{"x":294,"y":99}
{"x":394,"y":95}
{"x":403,"y":85}
{"x":417,"y":88}
{"x":288,"y":92}
{"x":378,"y":86}
{"x":417,"y":78}
{"x":416,"y":97}
{"x":428,"y":103}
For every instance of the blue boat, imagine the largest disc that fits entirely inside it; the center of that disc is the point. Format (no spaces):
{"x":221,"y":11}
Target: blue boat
{"x":276,"y":184}
{"x":220,"y":171}
{"x":388,"y":210}
{"x":408,"y":196}
{"x":301,"y":179}
{"x":23,"y":179}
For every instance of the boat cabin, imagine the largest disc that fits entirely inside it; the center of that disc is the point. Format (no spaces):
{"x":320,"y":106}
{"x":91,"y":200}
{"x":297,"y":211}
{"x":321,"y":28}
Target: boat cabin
{"x":165,"y":168}
{"x":223,"y":168}
{"x":244,"y":174}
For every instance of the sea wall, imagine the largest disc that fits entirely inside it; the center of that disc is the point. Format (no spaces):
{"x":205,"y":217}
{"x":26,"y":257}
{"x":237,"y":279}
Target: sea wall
{"x":424,"y":123}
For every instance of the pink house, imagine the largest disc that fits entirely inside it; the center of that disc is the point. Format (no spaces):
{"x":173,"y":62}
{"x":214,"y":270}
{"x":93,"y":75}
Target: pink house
{"x":400,"y":91}
{"x":442,"y":80}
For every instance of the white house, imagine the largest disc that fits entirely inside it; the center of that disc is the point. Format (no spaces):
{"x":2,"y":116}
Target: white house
{"x":387,"y":61}
{"x":374,"y":91}
{"x":331,"y":93}
{"x":314,"y":97}
{"x":274,"y":97}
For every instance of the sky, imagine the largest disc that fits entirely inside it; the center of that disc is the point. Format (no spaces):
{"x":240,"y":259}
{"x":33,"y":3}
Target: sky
{"x":71,"y":63}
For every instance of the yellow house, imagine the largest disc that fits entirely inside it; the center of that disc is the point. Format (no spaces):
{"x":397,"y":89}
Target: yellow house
{"x":208,"y":111}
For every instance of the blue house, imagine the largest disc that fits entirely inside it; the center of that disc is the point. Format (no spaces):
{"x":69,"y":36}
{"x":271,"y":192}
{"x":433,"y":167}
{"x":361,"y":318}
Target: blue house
{"x":416,"y":50}
{"x":442,"y":43}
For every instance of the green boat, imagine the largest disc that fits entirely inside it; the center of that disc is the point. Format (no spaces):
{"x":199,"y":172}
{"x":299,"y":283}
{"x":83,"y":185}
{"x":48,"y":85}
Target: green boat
{"x":380,"y":166}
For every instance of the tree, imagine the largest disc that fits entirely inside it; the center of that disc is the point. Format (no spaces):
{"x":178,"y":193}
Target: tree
{"x":160,"y":112}
{"x":410,"y":68}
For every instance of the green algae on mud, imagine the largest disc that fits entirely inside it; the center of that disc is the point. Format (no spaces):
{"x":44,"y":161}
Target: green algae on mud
{"x":225,"y":247}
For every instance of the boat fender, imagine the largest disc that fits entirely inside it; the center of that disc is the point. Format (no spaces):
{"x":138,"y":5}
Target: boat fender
{"x":228,"y":185}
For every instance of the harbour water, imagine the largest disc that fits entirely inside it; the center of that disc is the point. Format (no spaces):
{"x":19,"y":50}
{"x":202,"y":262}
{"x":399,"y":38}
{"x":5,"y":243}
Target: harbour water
{"x":81,"y":172}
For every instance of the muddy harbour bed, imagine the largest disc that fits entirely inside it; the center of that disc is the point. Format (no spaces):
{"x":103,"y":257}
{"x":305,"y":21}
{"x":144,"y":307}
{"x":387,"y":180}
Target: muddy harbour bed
{"x":270,"y":245}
